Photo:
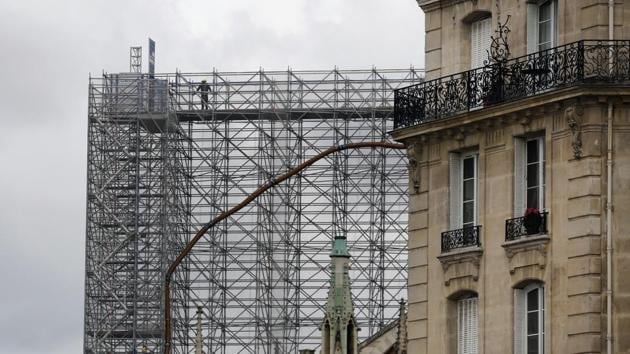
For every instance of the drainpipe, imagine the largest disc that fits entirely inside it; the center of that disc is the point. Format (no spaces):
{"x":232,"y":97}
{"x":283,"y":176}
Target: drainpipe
{"x":609,"y":165}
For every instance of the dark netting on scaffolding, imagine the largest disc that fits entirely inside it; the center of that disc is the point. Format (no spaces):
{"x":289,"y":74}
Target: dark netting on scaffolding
{"x":168,"y":153}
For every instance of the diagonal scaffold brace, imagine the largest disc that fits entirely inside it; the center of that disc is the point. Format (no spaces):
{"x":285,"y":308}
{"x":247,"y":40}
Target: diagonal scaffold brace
{"x":184,"y":253}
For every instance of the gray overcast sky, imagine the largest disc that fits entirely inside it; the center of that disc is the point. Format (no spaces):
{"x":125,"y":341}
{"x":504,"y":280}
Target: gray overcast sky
{"x":47,"y":50}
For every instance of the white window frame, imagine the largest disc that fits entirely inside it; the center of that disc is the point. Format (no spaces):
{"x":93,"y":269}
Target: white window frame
{"x":475,"y":179}
{"x":468,"y":325}
{"x":521,"y":317}
{"x":480,"y":31}
{"x":456,"y":181}
{"x":520,"y":173}
{"x":533,"y":23}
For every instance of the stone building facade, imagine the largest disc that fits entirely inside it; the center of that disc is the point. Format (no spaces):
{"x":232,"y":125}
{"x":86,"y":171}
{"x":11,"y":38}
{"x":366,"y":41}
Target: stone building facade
{"x":519,"y":178}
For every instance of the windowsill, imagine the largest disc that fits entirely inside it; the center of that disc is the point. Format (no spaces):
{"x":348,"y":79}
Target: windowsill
{"x":526,"y":241}
{"x":461,"y":253}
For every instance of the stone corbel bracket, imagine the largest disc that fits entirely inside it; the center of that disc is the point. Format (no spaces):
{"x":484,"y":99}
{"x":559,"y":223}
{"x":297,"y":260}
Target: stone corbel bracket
{"x":573,"y":115}
{"x":414,"y":154}
{"x":461,"y":264}
{"x":527,"y":252}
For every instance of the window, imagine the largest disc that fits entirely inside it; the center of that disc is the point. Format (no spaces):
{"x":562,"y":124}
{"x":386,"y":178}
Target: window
{"x":480,"y":32}
{"x":529,"y":319}
{"x":529,"y":174}
{"x":463,"y":190}
{"x":467,"y":328}
{"x":535,"y":173}
{"x":541,"y":25}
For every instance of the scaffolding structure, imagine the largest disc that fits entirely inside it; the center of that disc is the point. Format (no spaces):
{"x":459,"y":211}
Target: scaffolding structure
{"x":167,"y":153}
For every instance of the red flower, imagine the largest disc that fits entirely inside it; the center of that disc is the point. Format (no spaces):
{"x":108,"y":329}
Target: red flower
{"x":532,"y":211}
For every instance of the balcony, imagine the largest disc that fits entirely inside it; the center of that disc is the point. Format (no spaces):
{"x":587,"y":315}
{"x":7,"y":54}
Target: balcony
{"x":518,"y":228}
{"x":461,"y":238}
{"x":586,"y":62}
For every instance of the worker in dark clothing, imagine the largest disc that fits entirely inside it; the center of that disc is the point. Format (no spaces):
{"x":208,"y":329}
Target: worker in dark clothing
{"x":204,"y":88}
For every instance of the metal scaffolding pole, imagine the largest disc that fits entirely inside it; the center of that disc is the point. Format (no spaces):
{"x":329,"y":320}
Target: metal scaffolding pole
{"x":162,"y":159}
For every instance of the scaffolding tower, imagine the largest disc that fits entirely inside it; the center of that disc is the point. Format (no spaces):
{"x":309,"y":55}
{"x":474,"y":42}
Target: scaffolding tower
{"x":167,"y":153}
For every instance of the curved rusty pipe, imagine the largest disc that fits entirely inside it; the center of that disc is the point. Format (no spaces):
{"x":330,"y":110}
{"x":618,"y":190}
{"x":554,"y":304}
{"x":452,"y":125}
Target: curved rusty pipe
{"x":249,"y":199}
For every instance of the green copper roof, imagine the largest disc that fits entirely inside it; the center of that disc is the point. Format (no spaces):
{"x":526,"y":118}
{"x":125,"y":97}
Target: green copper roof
{"x":340,"y":247}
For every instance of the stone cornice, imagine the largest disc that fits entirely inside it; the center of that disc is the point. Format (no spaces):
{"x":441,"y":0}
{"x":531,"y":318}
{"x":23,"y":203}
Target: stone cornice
{"x":431,"y":5}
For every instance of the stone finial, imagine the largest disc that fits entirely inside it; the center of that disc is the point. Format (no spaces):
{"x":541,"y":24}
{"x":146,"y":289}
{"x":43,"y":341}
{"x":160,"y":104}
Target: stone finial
{"x":401,"y":337}
{"x":339,"y":330}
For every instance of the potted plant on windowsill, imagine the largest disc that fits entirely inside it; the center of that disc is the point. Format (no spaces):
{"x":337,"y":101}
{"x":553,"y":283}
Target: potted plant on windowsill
{"x":532,"y":221}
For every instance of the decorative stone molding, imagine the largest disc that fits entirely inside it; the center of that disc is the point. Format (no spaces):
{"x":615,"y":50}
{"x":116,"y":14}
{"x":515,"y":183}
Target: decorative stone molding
{"x":573,"y":116}
{"x":527,"y":252}
{"x":414,"y":154}
{"x":461,"y":263}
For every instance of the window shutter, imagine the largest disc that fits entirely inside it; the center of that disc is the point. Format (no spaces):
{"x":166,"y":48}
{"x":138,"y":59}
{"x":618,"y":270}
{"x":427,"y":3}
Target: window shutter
{"x":480,"y":32}
{"x":519,"y":321}
{"x":467,"y":326}
{"x":455,"y":184}
{"x":532,"y":28}
{"x":461,"y":327}
{"x":474,"y":323}
{"x":520,"y":149}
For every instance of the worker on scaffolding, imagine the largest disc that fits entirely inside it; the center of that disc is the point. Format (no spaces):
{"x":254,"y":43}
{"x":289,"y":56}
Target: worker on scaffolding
{"x":204,"y":87}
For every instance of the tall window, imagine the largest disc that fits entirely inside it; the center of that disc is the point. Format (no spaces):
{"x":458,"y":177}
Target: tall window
{"x":546,"y":22}
{"x":529,"y":316}
{"x":469,"y":190}
{"x":541,"y":25}
{"x":529,"y":174}
{"x":467,"y":327}
{"x":480,"y":32}
{"x":535,"y":173}
{"x":463,"y":190}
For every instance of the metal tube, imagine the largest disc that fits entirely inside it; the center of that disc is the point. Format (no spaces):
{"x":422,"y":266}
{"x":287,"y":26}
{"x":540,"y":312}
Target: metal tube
{"x":249,"y":199}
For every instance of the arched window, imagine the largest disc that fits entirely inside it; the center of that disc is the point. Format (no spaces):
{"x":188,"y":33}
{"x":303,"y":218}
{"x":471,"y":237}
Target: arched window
{"x":529,"y":319}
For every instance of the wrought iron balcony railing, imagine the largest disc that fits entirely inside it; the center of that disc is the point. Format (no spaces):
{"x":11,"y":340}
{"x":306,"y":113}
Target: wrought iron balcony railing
{"x":460,"y":238}
{"x":588,"y":62}
{"x":525,"y":226}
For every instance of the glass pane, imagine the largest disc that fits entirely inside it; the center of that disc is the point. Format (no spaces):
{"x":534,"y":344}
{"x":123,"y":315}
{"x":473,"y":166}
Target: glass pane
{"x":544,"y":33}
{"x":469,"y":212}
{"x":532,"y":198}
{"x":532,"y":300}
{"x":532,"y":345}
{"x":532,"y":151}
{"x":532,"y":175}
{"x":532,"y":323}
{"x":469,"y":190}
{"x":544,"y":12}
{"x":469,"y":167}
{"x":544,"y":46}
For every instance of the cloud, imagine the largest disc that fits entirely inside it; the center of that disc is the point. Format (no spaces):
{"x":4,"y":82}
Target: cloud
{"x":48,"y":50}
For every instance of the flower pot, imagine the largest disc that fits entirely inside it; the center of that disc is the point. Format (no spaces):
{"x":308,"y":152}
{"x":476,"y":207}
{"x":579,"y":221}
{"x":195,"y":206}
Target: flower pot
{"x":532,"y":223}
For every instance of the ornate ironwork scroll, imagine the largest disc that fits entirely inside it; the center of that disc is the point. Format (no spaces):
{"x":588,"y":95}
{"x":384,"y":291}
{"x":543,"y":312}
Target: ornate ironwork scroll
{"x":460,"y":238}
{"x":583,"y":62}
{"x":516,"y":228}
